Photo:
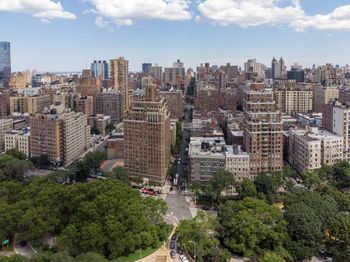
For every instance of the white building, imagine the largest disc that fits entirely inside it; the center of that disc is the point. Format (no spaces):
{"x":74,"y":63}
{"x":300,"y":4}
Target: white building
{"x":237,"y":163}
{"x":18,"y":140}
{"x":311,"y":149}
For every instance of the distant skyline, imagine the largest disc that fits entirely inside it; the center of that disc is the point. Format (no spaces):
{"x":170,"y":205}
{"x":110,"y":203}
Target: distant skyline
{"x":68,"y":35}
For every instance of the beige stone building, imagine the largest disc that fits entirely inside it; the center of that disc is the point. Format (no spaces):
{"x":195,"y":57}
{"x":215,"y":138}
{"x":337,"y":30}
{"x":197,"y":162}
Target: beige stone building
{"x":61,"y":134}
{"x":18,"y":81}
{"x":263,"y":138}
{"x":84,"y":104}
{"x":323,"y":95}
{"x":6,"y":125}
{"x":120,"y":80}
{"x":29,"y":104}
{"x":147,"y":138}
{"x":19,"y":140}
{"x":312,"y":148}
{"x":293,"y":100}
{"x":100,"y":122}
{"x":237,"y":163}
{"x":175,"y":103}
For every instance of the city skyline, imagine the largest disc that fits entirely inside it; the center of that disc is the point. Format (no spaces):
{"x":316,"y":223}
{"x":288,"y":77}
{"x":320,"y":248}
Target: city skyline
{"x":195,"y":32}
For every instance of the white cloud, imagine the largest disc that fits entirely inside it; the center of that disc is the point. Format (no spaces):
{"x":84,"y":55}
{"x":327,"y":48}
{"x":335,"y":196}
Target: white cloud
{"x":125,"y":12}
{"x":246,"y":13}
{"x":46,"y":10}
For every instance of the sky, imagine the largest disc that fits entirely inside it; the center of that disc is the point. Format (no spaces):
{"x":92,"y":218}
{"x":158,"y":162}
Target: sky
{"x":48,"y":35}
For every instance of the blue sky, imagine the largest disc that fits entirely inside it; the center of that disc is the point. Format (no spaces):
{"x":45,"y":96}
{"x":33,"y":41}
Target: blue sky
{"x":66,"y":37}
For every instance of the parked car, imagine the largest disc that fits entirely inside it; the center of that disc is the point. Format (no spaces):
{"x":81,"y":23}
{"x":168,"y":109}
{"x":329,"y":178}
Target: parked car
{"x":205,"y":208}
{"x":172,"y":254}
{"x":173,"y":237}
{"x":172,"y":245}
{"x":183,"y":258}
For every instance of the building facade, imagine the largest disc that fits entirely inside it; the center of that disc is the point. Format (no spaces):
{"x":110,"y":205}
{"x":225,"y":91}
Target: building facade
{"x":263,"y":138}
{"x":147,"y":138}
{"x":5,"y":64}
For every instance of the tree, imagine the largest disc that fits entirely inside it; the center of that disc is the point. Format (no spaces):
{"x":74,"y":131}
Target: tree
{"x":251,"y":226}
{"x":16,"y":154}
{"x":287,"y":171}
{"x":311,"y":180}
{"x":110,"y":127}
{"x":304,"y":227}
{"x":13,"y":168}
{"x":268,"y":184}
{"x":246,"y":189}
{"x":220,"y":182}
{"x":272,"y":257}
{"x":119,"y":173}
{"x":94,"y":131}
{"x":337,"y":237}
{"x":172,"y":170}
{"x":194,"y":236}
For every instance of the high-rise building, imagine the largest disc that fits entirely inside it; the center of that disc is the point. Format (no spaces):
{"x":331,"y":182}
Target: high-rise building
{"x":276,"y":68}
{"x":146,"y":68}
{"x":17,"y":81}
{"x":175,"y":76}
{"x":61,"y":134}
{"x":29,"y":104}
{"x":100,"y":69}
{"x":175,"y":103}
{"x":293,"y":99}
{"x":120,"y":82}
{"x":157,"y":73}
{"x":5,"y":64}
{"x":110,"y":103}
{"x":147,"y":138}
{"x":336,"y":119}
{"x":323,"y":95}
{"x":296,"y":73}
{"x":262,"y":130}
{"x":84,"y":104}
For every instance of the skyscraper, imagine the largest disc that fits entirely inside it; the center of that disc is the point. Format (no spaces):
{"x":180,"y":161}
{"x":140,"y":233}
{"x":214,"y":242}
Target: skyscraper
{"x":119,"y":76}
{"x":146,"y":68}
{"x":100,"y":69}
{"x":262,"y":130}
{"x":5,"y":64}
{"x":276,"y":68}
{"x":147,"y":138}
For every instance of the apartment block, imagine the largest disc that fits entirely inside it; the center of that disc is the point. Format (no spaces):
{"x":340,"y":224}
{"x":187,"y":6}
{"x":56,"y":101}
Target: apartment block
{"x":262,"y":133}
{"x":337,"y":120}
{"x":29,"y":104}
{"x":206,"y":157}
{"x":18,"y":139}
{"x":84,"y":104}
{"x":175,"y":103}
{"x":147,"y":138}
{"x":120,"y":80}
{"x":207,"y":100}
{"x":100,"y":122}
{"x":293,"y":100}
{"x":17,"y":81}
{"x":312,"y":148}
{"x":110,"y":103}
{"x":238,"y":163}
{"x":323,"y":95}
{"x":59,"y":133}
{"x":5,"y":126}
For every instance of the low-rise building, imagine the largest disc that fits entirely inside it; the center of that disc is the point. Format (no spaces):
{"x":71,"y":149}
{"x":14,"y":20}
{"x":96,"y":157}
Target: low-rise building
{"x":206,"y":157}
{"x":237,"y":163}
{"x":5,"y":126}
{"x":18,"y":139}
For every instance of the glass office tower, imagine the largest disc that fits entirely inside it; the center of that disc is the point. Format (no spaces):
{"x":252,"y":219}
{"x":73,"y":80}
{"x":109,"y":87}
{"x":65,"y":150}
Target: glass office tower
{"x":5,"y":64}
